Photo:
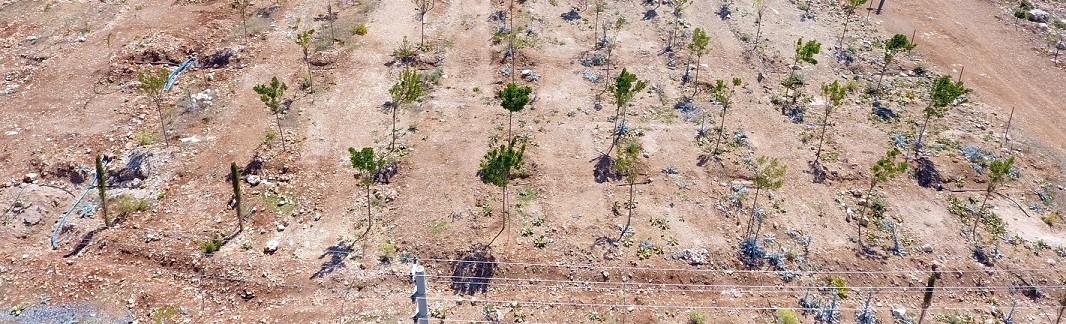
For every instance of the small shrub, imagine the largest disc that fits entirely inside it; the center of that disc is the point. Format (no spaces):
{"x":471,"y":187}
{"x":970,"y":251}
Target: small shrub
{"x":697,"y":317}
{"x":1049,"y":219}
{"x":541,"y":242}
{"x":438,"y":227}
{"x":210,"y":246}
{"x":527,"y":194}
{"x":386,"y":251}
{"x":787,"y":316}
{"x":127,"y":204}
{"x":839,"y":285}
{"x":144,"y":137}
{"x":271,"y":135}
{"x":359,"y":29}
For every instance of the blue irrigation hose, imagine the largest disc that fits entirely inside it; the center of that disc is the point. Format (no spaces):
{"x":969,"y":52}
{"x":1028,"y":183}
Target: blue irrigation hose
{"x":173,"y":77}
{"x":71,"y":209}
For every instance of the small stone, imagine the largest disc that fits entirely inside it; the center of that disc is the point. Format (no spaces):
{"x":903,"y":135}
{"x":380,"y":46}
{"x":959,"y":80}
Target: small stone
{"x":252,"y":179}
{"x":606,"y":275}
{"x":1039,"y":16}
{"x":1051,"y":261}
{"x":899,"y":312}
{"x":30,"y":178}
{"x":281,"y":227}
{"x":271,"y":246}
{"x":927,"y":248}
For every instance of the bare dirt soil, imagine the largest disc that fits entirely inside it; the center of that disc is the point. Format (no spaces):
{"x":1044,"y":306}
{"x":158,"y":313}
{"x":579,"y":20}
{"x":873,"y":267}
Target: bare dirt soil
{"x":70,"y":91}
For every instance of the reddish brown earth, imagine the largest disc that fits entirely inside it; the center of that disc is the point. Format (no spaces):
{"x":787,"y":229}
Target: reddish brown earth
{"x":75,"y":65}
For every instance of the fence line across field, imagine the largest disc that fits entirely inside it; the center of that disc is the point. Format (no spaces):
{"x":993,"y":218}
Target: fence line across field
{"x":760,"y":289}
{"x":740,"y":271}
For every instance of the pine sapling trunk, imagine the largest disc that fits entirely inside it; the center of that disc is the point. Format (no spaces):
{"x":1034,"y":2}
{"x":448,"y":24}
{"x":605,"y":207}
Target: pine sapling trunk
{"x":981,"y":214}
{"x":1062,"y":307}
{"x":821,"y":139}
{"x":921,"y":134}
{"x":162,"y":123}
{"x":236,"y":180}
{"x":281,"y":134}
{"x":721,"y":130}
{"x":504,"y":227}
{"x":244,"y":19}
{"x":101,"y":185}
{"x":392,"y":145}
{"x":629,"y":215}
{"x":758,"y":30}
{"x":310,"y":80}
{"x":754,"y":207}
{"x":422,"y":32}
{"x":847,"y":18}
{"x":862,"y":212}
{"x":696,"y":83}
{"x":510,"y":135}
{"x":884,"y":69}
{"x":369,"y":218}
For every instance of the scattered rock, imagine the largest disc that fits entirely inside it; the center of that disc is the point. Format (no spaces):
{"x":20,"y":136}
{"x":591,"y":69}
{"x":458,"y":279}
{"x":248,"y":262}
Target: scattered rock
{"x":323,"y":58}
{"x":252,"y":179}
{"x":30,"y":219}
{"x":899,"y":312}
{"x":692,"y":257}
{"x":927,"y":248}
{"x":1037,"y":15}
{"x":606,"y":275}
{"x":530,"y":75}
{"x":281,"y":227}
{"x":30,"y":178}
{"x":271,"y":247}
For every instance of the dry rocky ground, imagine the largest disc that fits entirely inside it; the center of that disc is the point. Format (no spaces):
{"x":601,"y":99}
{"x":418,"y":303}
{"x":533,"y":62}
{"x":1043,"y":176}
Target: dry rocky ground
{"x":70,"y":91}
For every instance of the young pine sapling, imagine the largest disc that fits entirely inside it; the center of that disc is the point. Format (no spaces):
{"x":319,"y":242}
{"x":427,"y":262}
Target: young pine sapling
{"x":626,"y":86}
{"x":513,"y":98}
{"x":895,"y":45}
{"x":304,"y":40}
{"x":725,"y":98}
{"x":943,"y":93}
{"x":834,"y":95}
{"x":406,"y":90}
{"x":760,"y":8}
{"x":805,"y":52}
{"x":881,"y":172}
{"x":849,"y":9}
{"x":998,"y":173}
{"x":152,"y":83}
{"x":241,"y":6}
{"x":366,"y":164}
{"x":627,"y":165}
{"x":423,"y":7}
{"x":496,"y":169}
{"x":270,"y":94}
{"x":698,"y":47}
{"x":769,"y":175}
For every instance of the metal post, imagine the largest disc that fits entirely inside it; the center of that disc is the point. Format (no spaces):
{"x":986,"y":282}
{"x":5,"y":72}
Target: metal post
{"x":1009,"y":119}
{"x":418,"y":274}
{"x":879,"y":6}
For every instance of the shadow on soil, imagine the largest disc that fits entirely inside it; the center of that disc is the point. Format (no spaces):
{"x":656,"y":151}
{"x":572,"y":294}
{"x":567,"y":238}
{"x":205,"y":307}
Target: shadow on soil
{"x":336,"y":254}
{"x":474,"y":270}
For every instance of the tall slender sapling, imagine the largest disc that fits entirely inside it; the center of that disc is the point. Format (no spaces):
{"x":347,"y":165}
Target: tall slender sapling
{"x":366,"y":164}
{"x":805,"y":52}
{"x":152,"y":86}
{"x":304,"y":40}
{"x":724,"y":98}
{"x":942,"y":94}
{"x":496,"y":169}
{"x":513,"y":98}
{"x":769,"y":175}
{"x":849,"y":9}
{"x":895,"y":45}
{"x":884,"y":170}
{"x":998,"y":173}
{"x":834,"y":95}
{"x":626,"y":86}
{"x":406,"y":90}
{"x":423,"y":7}
{"x":698,"y":47}
{"x":627,"y":164}
{"x":270,"y":94}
